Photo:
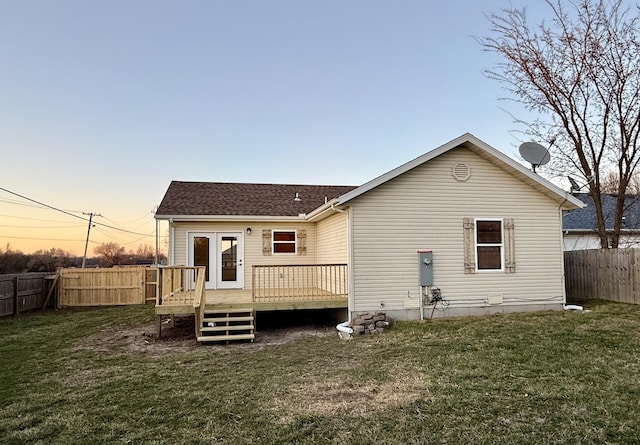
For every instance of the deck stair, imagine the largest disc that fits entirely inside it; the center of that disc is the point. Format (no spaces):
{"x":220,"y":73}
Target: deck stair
{"x":227,"y":325}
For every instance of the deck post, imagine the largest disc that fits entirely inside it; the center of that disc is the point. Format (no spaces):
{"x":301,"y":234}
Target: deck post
{"x":253,"y":283}
{"x":159,"y":326}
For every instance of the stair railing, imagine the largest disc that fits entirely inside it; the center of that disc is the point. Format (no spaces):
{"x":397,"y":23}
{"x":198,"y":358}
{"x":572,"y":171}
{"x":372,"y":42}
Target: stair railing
{"x":200,"y":298}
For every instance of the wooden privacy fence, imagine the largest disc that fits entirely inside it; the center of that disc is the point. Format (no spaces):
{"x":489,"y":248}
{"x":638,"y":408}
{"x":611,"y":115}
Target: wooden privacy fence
{"x":603,"y":274}
{"x":107,"y":287}
{"x":22,"y":292}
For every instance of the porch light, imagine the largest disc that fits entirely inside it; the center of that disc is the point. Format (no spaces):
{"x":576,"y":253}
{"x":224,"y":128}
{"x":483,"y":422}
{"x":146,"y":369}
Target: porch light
{"x":248,"y":230}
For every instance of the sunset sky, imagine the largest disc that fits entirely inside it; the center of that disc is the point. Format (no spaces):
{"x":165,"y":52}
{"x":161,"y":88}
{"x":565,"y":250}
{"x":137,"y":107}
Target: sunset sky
{"x":103,"y":103}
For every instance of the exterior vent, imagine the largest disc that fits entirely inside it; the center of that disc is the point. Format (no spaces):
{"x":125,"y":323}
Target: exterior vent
{"x":495,"y":299}
{"x":461,"y":171}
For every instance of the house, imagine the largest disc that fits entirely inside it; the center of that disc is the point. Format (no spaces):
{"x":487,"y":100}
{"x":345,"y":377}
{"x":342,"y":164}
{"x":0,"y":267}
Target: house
{"x":460,"y":230}
{"x":580,"y":227}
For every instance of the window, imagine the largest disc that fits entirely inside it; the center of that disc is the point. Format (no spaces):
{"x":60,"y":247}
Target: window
{"x":489,"y":247}
{"x":284,"y":241}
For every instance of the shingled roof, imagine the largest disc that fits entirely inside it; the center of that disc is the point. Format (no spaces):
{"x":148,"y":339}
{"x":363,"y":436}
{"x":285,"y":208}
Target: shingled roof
{"x":584,"y":219}
{"x":227,"y":198}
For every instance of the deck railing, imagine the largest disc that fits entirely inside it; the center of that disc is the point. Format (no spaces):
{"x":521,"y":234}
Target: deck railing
{"x":299,"y":283}
{"x":180,"y":285}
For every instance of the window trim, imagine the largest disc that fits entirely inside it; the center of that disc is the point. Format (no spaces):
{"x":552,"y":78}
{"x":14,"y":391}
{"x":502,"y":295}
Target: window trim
{"x":501,"y":245}
{"x":274,"y":242}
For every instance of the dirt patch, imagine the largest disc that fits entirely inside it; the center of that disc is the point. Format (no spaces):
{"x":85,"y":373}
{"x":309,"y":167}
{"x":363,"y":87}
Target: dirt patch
{"x":179,"y":337}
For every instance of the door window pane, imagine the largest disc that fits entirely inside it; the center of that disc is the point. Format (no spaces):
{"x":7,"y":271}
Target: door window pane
{"x":229,"y":258}
{"x":201,"y":253}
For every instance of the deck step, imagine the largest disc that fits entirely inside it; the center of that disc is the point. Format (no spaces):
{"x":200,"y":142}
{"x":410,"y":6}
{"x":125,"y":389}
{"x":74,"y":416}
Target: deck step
{"x":225,"y":319}
{"x":245,"y":327}
{"x":209,"y":338}
{"x":227,"y":311}
{"x":227,"y":325}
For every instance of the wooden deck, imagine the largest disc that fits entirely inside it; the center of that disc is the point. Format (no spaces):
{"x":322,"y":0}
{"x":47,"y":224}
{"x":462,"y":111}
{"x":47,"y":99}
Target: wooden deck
{"x":182,"y":302}
{"x":224,"y":315}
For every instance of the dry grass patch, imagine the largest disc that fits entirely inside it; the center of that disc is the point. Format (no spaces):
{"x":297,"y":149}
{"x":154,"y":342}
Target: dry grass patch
{"x":342,"y":394}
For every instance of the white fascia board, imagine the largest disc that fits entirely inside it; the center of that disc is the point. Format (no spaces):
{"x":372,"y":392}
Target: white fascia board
{"x":185,"y":218}
{"x":318,"y":213}
{"x":479,"y":146}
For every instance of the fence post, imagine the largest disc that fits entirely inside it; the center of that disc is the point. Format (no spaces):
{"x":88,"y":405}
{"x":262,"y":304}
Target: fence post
{"x":15,"y":294}
{"x":144,"y":285}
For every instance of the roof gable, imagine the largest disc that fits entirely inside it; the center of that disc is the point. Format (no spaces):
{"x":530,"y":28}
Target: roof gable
{"x":469,"y":141}
{"x":240,"y":199}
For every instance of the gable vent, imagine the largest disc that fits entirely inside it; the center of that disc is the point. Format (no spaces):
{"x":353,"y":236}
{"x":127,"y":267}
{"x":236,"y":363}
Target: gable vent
{"x":461,"y":171}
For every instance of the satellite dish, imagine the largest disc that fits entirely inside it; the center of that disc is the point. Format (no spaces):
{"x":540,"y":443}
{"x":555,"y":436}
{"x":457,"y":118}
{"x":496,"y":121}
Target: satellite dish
{"x":534,"y":153}
{"x":575,"y":187}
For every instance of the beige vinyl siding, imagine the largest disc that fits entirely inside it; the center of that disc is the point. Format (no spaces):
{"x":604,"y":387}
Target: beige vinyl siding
{"x":252,"y":243}
{"x":424,"y":210}
{"x":332,"y":245}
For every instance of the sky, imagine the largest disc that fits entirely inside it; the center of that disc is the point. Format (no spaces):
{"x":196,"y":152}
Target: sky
{"x":103,"y":103}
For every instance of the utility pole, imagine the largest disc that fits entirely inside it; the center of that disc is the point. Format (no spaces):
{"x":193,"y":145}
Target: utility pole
{"x":86,"y":244}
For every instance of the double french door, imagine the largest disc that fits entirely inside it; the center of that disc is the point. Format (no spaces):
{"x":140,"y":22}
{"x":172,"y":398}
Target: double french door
{"x":222,"y":254}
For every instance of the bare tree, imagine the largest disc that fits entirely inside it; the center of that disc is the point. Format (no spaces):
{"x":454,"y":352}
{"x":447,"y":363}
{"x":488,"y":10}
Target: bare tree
{"x":12,"y":261}
{"x":111,"y":253}
{"x":610,"y":182}
{"x":49,"y":260}
{"x":145,"y":251}
{"x":581,"y":72}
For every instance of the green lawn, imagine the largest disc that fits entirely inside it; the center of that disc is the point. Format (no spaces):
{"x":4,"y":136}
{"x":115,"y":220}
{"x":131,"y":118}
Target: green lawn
{"x":82,"y":377}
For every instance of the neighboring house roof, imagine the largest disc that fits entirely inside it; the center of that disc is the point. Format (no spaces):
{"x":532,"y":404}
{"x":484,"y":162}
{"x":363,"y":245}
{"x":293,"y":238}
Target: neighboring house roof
{"x":469,"y":141}
{"x":225,"y":198}
{"x":584,"y":219}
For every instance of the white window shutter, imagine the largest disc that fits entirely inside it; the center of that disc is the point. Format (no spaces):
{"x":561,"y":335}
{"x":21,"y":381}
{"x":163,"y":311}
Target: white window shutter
{"x":469,"y":246}
{"x":509,"y":246}
{"x":266,"y":242}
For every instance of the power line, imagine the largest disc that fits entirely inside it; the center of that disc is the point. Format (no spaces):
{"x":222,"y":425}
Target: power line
{"x":110,"y":236}
{"x":16,"y":202}
{"x":146,"y":215}
{"x":43,"y":204}
{"x":41,"y":227}
{"x":71,"y":214}
{"x":47,"y":239}
{"x":34,"y":219}
{"x":135,"y":228}
{"x":126,"y":243}
{"x":24,"y":204}
{"x":118,"y":228}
